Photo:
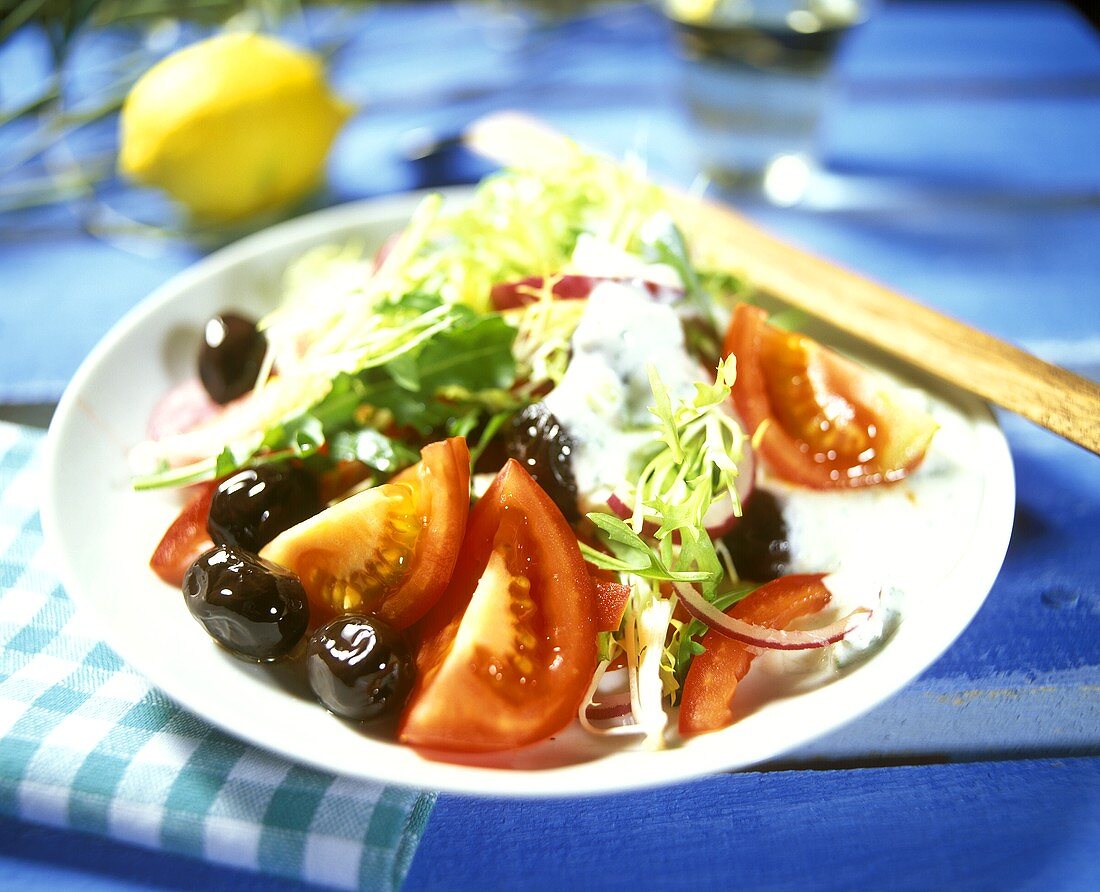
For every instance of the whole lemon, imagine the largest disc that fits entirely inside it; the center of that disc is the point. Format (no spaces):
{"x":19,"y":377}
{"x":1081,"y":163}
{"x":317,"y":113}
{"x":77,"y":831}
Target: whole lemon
{"x":231,"y":126}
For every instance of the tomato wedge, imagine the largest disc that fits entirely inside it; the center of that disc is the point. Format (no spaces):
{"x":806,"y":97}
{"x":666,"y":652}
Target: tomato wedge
{"x":388,"y":550}
{"x":611,"y":598}
{"x":186,"y":538}
{"x":507,"y":653}
{"x":821,"y":420}
{"x":713,"y":675}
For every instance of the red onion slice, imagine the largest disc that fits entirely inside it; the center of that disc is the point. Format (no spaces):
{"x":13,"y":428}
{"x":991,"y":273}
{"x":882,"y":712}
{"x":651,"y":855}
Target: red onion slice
{"x":181,"y":409}
{"x":720,"y":517}
{"x":761,"y":636}
{"x":613,"y":709}
{"x":619,"y":507}
{"x":520,"y":293}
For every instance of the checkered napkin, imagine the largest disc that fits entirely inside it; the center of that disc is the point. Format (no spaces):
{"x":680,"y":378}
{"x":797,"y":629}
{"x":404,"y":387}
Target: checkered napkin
{"x":86,"y":743}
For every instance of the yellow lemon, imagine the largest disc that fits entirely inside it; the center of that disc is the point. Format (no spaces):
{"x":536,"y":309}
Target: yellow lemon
{"x":231,"y":126}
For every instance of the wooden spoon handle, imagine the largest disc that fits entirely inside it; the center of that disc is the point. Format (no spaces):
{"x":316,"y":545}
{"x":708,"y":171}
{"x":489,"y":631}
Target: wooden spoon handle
{"x":961,"y":355}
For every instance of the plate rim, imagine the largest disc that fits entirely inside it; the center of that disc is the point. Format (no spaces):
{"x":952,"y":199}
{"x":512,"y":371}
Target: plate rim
{"x":459,"y":778}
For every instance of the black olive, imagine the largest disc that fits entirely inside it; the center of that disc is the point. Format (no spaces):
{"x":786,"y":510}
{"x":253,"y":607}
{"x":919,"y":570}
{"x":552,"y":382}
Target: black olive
{"x":248,"y":605}
{"x":758,"y":543}
{"x":360,"y":668}
{"x":253,"y":506}
{"x":537,"y":440}
{"x":231,"y":355}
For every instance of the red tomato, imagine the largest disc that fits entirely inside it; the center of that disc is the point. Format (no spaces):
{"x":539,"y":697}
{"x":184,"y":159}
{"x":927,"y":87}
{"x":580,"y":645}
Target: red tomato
{"x":510,"y":295}
{"x":827,"y":422}
{"x":506,"y":654}
{"x":611,"y":598}
{"x":342,"y":477}
{"x":713,"y":675}
{"x":388,"y":550}
{"x":186,"y":538}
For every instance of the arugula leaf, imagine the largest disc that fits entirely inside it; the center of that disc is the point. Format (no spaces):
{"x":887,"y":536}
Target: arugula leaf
{"x":231,"y":458}
{"x":474,"y":355}
{"x":372,"y":448}
{"x":344,"y":396}
{"x":300,"y":436}
{"x":618,"y":531}
{"x":663,"y":242}
{"x":491,"y":429}
{"x":697,"y":550}
{"x":631,"y":554}
{"x":166,"y":476}
{"x":405,"y":371}
{"x":464,"y":424}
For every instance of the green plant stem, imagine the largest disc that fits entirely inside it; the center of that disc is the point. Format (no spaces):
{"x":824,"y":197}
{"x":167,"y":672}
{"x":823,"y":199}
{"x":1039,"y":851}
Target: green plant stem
{"x":18,"y":17}
{"x":52,"y":92}
{"x":70,"y":183}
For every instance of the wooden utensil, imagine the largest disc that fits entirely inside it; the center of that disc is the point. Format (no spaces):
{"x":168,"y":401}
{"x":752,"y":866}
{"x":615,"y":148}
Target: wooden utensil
{"x":970,"y":359}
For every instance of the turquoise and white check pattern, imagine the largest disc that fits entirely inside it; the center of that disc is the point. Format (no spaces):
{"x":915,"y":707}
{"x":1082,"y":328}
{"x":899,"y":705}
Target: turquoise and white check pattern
{"x":86,"y":743}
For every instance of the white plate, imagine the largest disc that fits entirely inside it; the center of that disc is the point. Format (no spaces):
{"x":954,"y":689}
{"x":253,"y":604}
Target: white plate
{"x":103,"y":534}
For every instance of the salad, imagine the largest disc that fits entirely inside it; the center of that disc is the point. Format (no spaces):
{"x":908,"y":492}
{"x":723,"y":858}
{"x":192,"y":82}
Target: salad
{"x":525,"y":466}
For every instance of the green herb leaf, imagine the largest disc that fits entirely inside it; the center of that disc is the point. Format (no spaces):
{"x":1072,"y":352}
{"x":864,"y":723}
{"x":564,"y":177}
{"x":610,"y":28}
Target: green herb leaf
{"x":474,"y":355}
{"x":638,"y":565}
{"x":631,"y":553}
{"x":372,"y":448}
{"x":300,"y":436}
{"x":663,"y":242}
{"x":491,"y":429}
{"x":232,"y":458}
{"x":605,"y":647}
{"x":405,"y":371}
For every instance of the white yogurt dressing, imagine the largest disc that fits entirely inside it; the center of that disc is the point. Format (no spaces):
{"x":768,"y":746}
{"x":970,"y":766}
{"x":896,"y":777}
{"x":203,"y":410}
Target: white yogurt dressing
{"x":902,"y":537}
{"x":604,"y":398}
{"x":593,"y":256}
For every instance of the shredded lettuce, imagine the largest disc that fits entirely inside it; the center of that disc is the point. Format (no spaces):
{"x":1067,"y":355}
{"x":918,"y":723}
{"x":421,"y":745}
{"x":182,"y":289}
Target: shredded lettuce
{"x":698,"y":465}
{"x":527,"y":223}
{"x":695,"y":465}
{"x":409,"y":339}
{"x":543,"y":341}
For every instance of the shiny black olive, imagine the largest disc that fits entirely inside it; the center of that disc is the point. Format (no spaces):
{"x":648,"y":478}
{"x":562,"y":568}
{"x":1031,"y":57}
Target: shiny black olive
{"x":253,"y":506}
{"x":758,"y":543}
{"x":537,"y":441}
{"x":232,"y":352}
{"x":250,"y":606}
{"x":360,"y":668}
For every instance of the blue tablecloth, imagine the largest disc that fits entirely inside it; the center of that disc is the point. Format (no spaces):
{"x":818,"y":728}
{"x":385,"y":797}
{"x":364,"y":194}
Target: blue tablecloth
{"x":968,"y":136}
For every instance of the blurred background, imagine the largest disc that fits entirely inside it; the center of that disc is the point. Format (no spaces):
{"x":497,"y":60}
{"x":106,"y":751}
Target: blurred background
{"x":762,"y":97}
{"x":913,"y":131}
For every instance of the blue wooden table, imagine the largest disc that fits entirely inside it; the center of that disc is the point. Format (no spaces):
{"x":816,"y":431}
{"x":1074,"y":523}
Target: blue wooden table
{"x":968,"y":137}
